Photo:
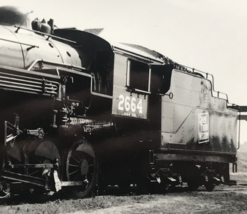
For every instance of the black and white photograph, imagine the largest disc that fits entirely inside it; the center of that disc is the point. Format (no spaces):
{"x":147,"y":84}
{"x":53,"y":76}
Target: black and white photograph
{"x":123,"y":107}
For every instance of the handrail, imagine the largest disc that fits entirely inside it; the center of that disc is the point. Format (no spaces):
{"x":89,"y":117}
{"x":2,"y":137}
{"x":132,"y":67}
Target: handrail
{"x":96,"y":93}
{"x":133,"y":90}
{"x":193,"y":70}
{"x":54,"y":63}
{"x":20,"y":43}
{"x":68,"y":66}
{"x":42,"y":33}
{"x":24,"y":71}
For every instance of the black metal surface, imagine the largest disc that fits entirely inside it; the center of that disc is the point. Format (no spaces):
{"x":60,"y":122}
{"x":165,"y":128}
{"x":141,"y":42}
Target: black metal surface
{"x":25,"y":179}
{"x":33,"y":166}
{"x":195,"y":158}
{"x":240,"y":108}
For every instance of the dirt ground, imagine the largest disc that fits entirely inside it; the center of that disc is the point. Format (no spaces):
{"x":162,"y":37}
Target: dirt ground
{"x":223,"y":199}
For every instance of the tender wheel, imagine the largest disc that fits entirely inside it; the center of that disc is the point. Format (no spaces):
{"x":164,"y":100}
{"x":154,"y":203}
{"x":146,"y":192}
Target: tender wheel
{"x":81,"y":165}
{"x":209,"y":186}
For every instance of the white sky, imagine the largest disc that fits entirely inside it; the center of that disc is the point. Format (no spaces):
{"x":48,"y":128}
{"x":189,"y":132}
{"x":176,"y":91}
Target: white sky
{"x":208,"y":35}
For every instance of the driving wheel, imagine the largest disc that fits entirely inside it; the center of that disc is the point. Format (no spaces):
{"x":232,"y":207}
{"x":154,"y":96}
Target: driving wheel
{"x":81,"y":166}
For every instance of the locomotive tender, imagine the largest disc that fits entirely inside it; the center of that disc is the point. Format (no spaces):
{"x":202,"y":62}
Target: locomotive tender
{"x":78,"y":112}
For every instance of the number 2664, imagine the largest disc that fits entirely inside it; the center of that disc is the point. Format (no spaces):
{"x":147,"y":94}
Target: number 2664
{"x":130,"y":104}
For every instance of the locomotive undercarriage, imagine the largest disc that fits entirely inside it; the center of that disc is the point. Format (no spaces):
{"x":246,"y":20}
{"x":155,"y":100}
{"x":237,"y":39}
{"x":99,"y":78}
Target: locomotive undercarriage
{"x":174,"y":168}
{"x":76,"y":165}
{"x":156,"y":171}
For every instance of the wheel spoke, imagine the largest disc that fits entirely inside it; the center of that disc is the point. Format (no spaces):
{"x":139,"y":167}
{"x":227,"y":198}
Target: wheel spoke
{"x":76,"y":177}
{"x":80,"y":157}
{"x":38,"y":159}
{"x":33,"y":173}
{"x":75,"y":159}
{"x":74,"y":172}
{"x":74,"y":165}
{"x":81,"y":166}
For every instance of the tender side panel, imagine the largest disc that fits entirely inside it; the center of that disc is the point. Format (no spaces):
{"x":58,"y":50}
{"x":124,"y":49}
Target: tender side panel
{"x":194,"y":119}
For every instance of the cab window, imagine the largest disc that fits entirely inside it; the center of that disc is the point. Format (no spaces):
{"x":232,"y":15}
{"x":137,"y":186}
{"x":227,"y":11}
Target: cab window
{"x":103,"y":72}
{"x":161,"y":78}
{"x":138,"y":75}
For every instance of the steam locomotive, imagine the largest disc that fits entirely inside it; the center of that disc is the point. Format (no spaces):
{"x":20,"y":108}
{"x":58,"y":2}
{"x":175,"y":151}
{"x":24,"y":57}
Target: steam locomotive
{"x":78,"y":113}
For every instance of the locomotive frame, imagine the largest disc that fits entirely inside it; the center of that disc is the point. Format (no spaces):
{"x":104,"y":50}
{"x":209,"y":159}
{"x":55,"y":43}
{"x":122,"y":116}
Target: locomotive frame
{"x":91,"y":113}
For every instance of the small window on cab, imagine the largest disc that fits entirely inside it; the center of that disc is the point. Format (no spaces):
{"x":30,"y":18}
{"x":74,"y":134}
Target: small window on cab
{"x":160,"y":78}
{"x":138,"y":75}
